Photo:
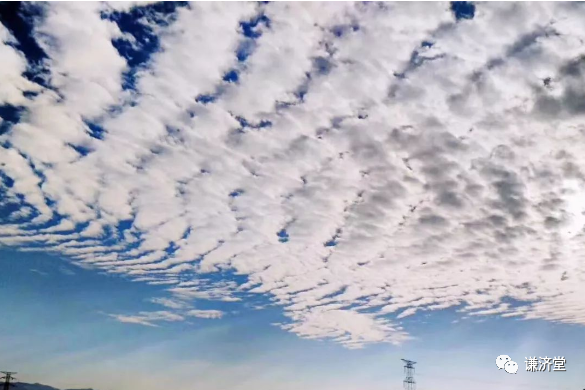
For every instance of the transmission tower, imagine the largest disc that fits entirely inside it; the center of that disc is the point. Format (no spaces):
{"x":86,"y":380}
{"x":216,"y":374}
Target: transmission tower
{"x":409,"y":383}
{"x":7,"y":378}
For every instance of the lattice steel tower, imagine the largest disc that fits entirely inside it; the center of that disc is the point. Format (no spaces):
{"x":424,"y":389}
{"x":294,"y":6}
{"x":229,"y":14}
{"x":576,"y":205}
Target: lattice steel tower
{"x":7,"y":376}
{"x":409,"y":383}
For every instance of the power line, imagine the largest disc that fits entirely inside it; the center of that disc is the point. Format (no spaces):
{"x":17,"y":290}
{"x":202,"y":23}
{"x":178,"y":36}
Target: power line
{"x":409,"y":382}
{"x":7,"y":378}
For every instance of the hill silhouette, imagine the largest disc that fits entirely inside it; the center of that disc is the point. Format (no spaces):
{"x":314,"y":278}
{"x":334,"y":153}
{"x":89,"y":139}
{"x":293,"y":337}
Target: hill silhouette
{"x":37,"y":386}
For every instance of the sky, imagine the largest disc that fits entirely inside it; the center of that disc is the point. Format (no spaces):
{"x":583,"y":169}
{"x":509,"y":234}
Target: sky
{"x":281,"y":195}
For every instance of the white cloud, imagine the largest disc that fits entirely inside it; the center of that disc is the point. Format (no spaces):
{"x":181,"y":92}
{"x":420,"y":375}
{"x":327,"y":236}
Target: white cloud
{"x":170,"y":303}
{"x":211,"y":314}
{"x":86,"y":68}
{"x":348,"y":327}
{"x":12,"y":84}
{"x":42,"y":273}
{"x":148,"y":318}
{"x":376,"y":177}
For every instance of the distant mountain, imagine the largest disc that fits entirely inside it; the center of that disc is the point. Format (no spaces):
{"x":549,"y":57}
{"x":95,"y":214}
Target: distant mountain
{"x":36,"y":386}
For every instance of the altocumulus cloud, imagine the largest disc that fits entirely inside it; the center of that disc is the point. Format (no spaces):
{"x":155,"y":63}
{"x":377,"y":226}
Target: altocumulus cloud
{"x":357,"y":162}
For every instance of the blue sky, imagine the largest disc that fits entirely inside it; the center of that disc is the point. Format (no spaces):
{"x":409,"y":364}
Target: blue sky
{"x":282,"y":195}
{"x":58,"y":333}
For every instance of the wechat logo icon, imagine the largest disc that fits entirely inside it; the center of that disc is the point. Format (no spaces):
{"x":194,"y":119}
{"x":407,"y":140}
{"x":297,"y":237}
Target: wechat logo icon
{"x":505,"y":362}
